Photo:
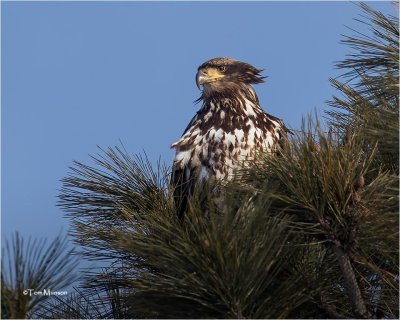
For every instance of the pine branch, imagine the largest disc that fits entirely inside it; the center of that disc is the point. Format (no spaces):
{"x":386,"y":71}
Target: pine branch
{"x":351,"y":282}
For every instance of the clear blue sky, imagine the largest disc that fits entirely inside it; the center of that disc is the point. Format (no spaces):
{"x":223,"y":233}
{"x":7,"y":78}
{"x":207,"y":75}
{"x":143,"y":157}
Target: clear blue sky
{"x":79,"y":74}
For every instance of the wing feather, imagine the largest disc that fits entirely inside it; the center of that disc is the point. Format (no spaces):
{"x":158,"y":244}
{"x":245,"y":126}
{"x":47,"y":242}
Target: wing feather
{"x":184,"y":181}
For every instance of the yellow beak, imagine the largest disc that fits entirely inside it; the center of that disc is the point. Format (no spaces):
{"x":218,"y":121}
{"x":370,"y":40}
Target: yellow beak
{"x":207,"y":75}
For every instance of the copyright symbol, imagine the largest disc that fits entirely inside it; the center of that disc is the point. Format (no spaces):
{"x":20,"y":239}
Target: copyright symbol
{"x":25,"y":292}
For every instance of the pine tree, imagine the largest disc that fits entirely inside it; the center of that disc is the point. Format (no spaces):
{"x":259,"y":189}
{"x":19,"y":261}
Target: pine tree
{"x":30,"y":266}
{"x":310,"y":233}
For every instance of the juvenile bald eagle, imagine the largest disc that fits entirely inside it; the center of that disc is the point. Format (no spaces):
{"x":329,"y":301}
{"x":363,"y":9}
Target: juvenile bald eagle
{"x":228,"y":129}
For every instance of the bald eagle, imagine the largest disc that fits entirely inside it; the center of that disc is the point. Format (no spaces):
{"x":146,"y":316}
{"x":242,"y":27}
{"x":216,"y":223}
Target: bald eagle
{"x":229,"y":128}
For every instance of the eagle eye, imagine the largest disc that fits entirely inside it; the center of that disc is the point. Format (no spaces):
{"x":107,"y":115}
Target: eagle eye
{"x":221,"y":68}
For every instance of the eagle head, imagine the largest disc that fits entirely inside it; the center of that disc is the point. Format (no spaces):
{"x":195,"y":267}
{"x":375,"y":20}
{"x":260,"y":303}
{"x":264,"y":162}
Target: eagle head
{"x":225,"y":74}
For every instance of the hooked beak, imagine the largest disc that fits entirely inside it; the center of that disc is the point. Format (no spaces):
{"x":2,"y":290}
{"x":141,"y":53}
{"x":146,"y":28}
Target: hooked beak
{"x":200,"y":78}
{"x":207,"y":75}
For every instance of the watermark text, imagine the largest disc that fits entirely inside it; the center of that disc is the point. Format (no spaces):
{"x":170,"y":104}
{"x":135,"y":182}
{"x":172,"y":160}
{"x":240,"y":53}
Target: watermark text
{"x":44,"y":292}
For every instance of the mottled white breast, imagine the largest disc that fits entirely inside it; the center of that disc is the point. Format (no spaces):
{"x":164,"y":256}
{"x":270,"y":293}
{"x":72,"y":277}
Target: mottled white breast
{"x":223,"y":135}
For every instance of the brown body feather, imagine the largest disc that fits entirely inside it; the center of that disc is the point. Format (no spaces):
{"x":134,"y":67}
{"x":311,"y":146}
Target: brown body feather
{"x":229,"y":128}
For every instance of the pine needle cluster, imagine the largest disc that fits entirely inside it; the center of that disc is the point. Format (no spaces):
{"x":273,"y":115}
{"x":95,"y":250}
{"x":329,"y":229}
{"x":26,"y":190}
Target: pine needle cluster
{"x":29,"y":266}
